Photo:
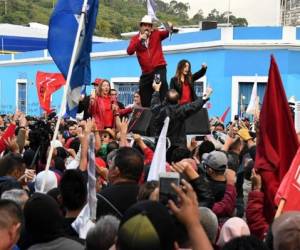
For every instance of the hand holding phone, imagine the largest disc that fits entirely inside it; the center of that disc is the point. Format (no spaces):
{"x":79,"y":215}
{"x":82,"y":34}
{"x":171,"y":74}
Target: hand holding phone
{"x":157,"y":78}
{"x":166,"y":192}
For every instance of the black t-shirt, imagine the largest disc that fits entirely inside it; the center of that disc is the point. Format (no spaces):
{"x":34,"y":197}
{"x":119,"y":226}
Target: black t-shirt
{"x":116,"y":199}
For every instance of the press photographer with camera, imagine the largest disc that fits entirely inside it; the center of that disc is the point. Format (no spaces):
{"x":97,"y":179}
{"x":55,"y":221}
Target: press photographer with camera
{"x":148,"y":48}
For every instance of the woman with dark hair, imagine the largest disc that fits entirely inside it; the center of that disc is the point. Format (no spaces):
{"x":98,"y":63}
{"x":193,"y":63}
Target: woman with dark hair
{"x":183,"y":81}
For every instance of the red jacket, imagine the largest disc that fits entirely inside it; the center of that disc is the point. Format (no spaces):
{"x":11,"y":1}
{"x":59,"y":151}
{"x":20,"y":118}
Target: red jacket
{"x":9,"y":132}
{"x":151,"y":57}
{"x":225,"y":207}
{"x":255,"y":216}
{"x":102,"y":112}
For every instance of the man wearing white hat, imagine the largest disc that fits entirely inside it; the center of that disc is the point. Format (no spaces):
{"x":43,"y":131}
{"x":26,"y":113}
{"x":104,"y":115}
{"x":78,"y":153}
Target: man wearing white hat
{"x":147,"y":46}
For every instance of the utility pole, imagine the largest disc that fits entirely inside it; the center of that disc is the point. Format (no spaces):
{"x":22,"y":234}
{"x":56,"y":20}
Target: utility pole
{"x":228,"y":18}
{"x":5,"y":6}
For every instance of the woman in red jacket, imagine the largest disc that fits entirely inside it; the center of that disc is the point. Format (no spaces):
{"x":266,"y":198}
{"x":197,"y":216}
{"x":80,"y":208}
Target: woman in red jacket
{"x":102,"y":107}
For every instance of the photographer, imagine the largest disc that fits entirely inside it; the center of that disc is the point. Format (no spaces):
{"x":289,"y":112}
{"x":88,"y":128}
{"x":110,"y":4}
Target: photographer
{"x":148,"y":48}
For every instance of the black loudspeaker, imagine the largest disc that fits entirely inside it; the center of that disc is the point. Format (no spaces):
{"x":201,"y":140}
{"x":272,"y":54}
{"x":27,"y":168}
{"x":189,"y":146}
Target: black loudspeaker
{"x":208,"y":25}
{"x":140,"y":121}
{"x":198,"y":123}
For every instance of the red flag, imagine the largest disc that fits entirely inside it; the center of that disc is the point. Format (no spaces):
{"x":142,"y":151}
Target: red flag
{"x":289,"y":189}
{"x":223,"y":117}
{"x":277,"y":141}
{"x":47,"y":84}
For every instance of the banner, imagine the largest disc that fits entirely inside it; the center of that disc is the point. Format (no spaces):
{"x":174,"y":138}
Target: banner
{"x":47,"y":84}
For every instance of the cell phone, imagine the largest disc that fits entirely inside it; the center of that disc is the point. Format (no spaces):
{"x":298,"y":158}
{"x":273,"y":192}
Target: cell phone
{"x":166,"y":192}
{"x":236,"y":117}
{"x":199,"y":137}
{"x":157,"y":78}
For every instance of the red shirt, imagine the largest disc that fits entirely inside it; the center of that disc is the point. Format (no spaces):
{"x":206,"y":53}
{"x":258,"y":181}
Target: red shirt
{"x":186,"y":96}
{"x":151,"y":57}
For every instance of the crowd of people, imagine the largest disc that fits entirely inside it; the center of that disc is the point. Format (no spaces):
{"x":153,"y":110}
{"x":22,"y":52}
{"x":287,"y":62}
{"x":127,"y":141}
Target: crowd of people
{"x":218,"y":203}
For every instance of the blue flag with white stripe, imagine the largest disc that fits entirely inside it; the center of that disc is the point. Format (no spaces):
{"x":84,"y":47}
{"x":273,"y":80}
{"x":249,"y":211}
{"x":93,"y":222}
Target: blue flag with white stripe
{"x":63,"y":26}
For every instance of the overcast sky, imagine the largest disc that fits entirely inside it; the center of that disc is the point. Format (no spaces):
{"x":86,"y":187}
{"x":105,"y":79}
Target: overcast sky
{"x":257,"y":12}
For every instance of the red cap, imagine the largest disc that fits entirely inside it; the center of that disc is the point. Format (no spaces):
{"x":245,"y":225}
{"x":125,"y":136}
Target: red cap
{"x":97,"y":81}
{"x":100,"y":163}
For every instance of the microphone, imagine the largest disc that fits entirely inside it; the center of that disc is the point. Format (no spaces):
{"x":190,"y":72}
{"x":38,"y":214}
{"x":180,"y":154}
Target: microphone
{"x":144,"y":41}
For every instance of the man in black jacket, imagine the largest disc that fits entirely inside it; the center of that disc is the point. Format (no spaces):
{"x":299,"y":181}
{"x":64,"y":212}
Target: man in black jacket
{"x":124,"y":174}
{"x":176,"y":113}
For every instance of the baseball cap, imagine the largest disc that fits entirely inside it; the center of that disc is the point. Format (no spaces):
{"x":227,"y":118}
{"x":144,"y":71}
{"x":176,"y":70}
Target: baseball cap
{"x":147,"y":225}
{"x":97,"y":81}
{"x":216,"y":160}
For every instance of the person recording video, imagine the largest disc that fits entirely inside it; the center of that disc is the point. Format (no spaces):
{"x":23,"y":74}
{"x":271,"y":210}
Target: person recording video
{"x":147,"y":46}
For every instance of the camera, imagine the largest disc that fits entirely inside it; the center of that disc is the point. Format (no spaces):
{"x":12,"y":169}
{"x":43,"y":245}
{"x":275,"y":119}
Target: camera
{"x":219,"y":136}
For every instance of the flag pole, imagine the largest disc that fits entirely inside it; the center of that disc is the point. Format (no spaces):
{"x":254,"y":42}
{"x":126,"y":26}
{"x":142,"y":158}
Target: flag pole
{"x":280,"y":208}
{"x":66,"y":88}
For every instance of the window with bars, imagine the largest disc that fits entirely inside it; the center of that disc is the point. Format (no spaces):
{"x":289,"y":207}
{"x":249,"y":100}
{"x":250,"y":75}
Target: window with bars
{"x":245,"y":90}
{"x":126,"y":91}
{"x":22,"y":96}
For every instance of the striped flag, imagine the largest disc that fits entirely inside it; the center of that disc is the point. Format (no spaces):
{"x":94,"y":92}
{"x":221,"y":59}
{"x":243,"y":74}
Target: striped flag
{"x":63,"y":29}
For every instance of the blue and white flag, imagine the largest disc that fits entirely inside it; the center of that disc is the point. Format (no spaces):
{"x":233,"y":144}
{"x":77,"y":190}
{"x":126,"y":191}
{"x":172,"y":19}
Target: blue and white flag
{"x":63,"y":27}
{"x":152,"y":8}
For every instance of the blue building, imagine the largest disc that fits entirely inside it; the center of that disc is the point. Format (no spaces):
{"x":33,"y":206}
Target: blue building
{"x":236,"y":58}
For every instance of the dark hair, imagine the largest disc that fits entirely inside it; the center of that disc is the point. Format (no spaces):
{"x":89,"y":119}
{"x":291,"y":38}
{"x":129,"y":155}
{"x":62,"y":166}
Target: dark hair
{"x":75,"y":144}
{"x":179,"y":154}
{"x":112,"y":146}
{"x":10,"y":163}
{"x":146,"y":189}
{"x":220,"y":124}
{"x":179,"y":71}
{"x":61,"y":152}
{"x":59,"y":164}
{"x":130,"y":163}
{"x":245,"y":243}
{"x":172,"y":96}
{"x":73,"y":189}
{"x":205,"y":147}
{"x":10,"y":213}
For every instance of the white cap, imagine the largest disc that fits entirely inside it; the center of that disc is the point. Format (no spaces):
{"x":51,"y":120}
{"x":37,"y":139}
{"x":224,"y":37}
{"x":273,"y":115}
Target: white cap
{"x":146,"y":19}
{"x":292,"y":100}
{"x":51,"y":181}
{"x":57,"y":144}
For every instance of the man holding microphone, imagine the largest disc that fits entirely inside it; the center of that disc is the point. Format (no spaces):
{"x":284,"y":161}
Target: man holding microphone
{"x":148,"y":48}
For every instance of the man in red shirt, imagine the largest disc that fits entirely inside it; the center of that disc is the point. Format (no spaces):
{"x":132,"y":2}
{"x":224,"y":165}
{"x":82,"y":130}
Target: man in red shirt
{"x":147,"y":46}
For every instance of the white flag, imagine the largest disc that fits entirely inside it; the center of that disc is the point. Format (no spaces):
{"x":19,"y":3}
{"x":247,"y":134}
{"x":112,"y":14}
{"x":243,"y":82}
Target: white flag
{"x":158,"y":164}
{"x":251,"y":106}
{"x":152,"y":7}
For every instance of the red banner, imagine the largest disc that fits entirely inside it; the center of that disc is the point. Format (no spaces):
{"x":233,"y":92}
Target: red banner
{"x":289,"y":189}
{"x":47,"y":84}
{"x":278,"y":143}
